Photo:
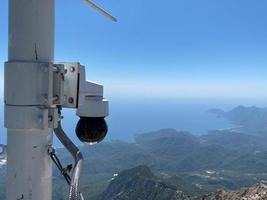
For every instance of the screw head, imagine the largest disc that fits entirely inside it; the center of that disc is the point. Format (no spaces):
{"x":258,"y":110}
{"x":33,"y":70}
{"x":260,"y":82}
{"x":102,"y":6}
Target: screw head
{"x":71,"y":99}
{"x":72,"y":69}
{"x":50,"y":118}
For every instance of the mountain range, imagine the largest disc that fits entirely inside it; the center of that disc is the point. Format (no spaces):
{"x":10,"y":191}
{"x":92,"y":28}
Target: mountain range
{"x":140,"y":183}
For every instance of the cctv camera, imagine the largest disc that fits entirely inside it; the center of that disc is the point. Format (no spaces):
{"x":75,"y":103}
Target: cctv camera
{"x":85,"y":96}
{"x":91,"y":130}
{"x":92,"y":109}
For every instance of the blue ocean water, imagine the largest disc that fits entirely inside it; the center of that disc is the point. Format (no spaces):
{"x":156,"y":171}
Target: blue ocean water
{"x":129,"y":117}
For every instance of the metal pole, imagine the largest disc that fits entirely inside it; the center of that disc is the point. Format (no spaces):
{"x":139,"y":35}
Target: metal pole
{"x":30,"y":54}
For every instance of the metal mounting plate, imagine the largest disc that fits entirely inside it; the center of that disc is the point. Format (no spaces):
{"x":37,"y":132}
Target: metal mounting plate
{"x":58,"y":84}
{"x":71,"y":81}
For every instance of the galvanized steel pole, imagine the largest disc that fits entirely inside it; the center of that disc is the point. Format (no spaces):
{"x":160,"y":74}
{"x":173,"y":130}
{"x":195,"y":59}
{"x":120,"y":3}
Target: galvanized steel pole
{"x":30,"y":54}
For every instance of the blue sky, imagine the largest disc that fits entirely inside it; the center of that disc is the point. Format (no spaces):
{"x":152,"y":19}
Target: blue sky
{"x":165,"y":49}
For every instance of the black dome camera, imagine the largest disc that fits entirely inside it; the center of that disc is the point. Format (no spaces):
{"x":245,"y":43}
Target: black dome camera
{"x":91,"y":130}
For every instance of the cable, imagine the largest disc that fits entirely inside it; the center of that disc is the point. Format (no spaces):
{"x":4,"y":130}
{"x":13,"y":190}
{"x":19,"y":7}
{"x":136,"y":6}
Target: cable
{"x":74,"y":193}
{"x":63,"y":171}
{"x":3,"y":149}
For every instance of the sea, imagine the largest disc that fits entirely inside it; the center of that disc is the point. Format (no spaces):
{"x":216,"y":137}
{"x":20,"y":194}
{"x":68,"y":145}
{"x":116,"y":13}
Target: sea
{"x":129,"y":117}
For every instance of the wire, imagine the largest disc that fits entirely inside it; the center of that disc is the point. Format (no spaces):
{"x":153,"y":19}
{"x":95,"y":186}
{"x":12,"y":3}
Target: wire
{"x":63,"y":171}
{"x":3,"y":149}
{"x":74,"y":192}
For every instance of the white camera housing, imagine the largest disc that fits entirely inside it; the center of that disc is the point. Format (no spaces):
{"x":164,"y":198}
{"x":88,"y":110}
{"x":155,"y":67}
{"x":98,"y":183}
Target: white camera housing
{"x":85,"y":96}
{"x":90,"y":99}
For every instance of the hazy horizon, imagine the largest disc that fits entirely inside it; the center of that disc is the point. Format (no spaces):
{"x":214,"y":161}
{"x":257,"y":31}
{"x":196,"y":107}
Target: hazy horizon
{"x":132,"y":116}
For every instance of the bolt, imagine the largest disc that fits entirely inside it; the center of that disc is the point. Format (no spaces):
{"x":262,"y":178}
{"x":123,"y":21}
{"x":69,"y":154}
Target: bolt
{"x":71,"y":100}
{"x":50,"y":118}
{"x":72,"y":69}
{"x":20,"y":198}
{"x":55,"y":98}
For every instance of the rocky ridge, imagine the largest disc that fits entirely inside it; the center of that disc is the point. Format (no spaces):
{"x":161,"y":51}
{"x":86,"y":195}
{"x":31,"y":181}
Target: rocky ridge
{"x":256,"y":192}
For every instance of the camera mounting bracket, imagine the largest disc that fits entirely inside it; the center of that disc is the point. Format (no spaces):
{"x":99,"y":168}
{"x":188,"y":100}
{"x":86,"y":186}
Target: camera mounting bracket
{"x":73,"y":91}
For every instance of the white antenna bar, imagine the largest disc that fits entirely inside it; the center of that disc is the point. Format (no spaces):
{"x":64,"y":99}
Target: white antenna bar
{"x":100,"y":10}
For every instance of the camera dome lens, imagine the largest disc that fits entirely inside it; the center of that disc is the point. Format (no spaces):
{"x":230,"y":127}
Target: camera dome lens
{"x":91,"y":130}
